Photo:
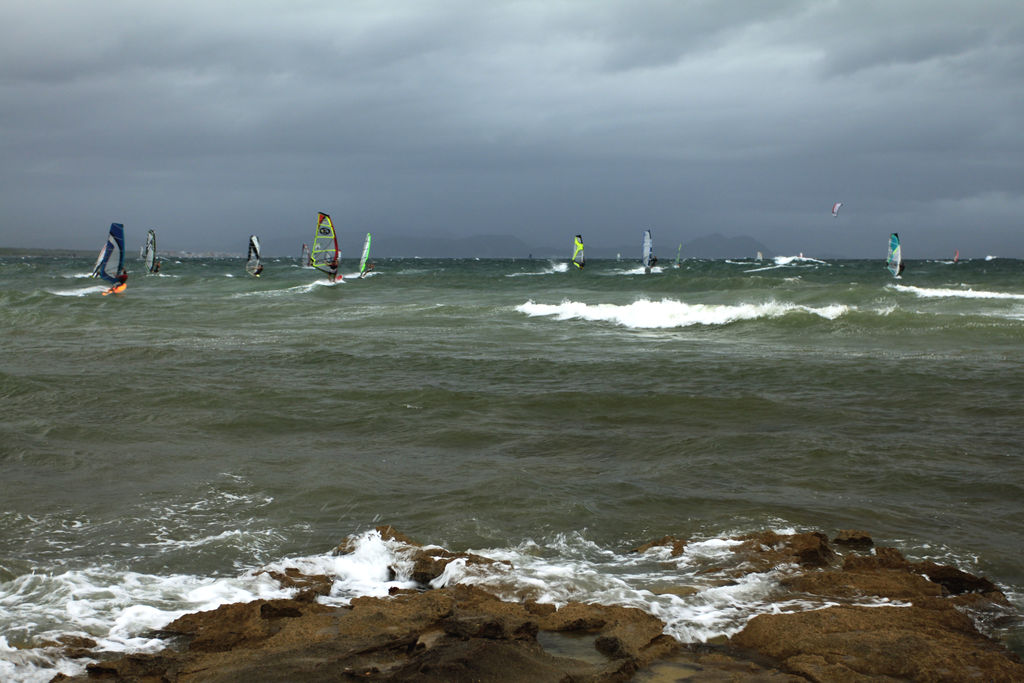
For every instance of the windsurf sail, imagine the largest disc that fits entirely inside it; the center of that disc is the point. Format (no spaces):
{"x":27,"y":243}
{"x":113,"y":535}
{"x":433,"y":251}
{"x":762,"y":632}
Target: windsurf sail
{"x":835,"y":209}
{"x":647,"y":252}
{"x":956,"y":256}
{"x":366,"y":255}
{"x":895,"y":261}
{"x":578,"y":259}
{"x":115,"y":243}
{"x":760,"y":256}
{"x":679,"y":255}
{"x":305,"y":255}
{"x":149,"y":252}
{"x":253,"y":262}
{"x":325,"y":252}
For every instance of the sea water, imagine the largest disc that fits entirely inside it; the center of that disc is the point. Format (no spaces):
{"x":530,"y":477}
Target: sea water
{"x":161,"y":447}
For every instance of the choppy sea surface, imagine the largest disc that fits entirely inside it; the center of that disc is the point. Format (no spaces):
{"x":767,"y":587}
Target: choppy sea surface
{"x":159,"y":448}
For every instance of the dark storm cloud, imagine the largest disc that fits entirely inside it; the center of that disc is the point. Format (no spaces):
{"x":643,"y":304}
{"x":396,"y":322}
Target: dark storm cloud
{"x":539,"y":119}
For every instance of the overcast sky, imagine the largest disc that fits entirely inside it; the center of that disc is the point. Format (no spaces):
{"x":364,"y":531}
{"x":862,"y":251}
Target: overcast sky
{"x":211,"y":120}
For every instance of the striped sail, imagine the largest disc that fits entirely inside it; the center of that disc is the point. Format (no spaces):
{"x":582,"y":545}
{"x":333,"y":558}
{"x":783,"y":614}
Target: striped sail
{"x":366,"y":255}
{"x":325,"y":252}
{"x":113,"y":247}
{"x":253,"y":262}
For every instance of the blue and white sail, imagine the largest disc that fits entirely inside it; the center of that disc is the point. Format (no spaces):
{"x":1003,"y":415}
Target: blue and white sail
{"x":895,"y":260}
{"x":113,"y":249}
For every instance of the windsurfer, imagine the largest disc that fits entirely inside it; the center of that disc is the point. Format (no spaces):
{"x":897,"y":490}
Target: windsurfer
{"x":332,"y":269}
{"x":119,"y":284}
{"x":259,"y":269}
{"x":369,"y":267}
{"x":156,"y":267}
{"x":900,"y":270}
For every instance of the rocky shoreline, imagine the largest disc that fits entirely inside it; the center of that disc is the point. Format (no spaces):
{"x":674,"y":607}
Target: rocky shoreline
{"x":876,"y":616}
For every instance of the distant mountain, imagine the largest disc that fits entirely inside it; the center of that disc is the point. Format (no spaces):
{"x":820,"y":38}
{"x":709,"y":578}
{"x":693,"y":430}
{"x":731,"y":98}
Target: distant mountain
{"x":709,"y":246}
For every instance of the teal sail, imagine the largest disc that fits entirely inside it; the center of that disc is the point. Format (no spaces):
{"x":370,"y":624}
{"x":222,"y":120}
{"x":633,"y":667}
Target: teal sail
{"x":114,"y":248}
{"x":895,"y":260}
{"x":679,"y":255}
{"x":578,"y":259}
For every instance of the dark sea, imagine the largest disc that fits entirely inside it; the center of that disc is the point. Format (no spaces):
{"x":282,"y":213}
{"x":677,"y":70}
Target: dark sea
{"x":161,"y":447}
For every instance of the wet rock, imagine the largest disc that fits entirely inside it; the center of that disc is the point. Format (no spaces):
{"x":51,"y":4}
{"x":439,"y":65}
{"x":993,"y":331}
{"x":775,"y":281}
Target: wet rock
{"x":463,"y":633}
{"x":854,"y":539}
{"x":308,"y":586}
{"x":859,"y":643}
{"x":678,"y":545}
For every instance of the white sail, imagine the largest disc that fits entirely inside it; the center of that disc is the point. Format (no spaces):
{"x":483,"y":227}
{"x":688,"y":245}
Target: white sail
{"x":647,"y":253}
{"x":149,"y":251}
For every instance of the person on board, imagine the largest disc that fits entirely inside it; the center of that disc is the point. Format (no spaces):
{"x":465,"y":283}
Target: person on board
{"x":369,"y":267}
{"x":119,"y":283}
{"x":259,"y":269}
{"x":899,"y":271}
{"x":332,"y":269}
{"x":156,"y":267}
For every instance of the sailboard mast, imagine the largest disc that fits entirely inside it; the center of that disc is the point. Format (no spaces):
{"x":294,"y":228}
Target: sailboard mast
{"x":578,"y":258}
{"x":325,"y":252}
{"x":115,"y":243}
{"x":254,"y":262}
{"x":895,"y":261}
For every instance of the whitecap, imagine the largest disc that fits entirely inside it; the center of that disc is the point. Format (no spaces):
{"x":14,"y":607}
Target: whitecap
{"x":669,"y":313}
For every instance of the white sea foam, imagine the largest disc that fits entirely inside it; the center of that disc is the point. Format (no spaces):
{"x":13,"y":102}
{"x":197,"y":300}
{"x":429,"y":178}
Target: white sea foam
{"x":114,"y":608}
{"x":668,"y":313}
{"x":86,"y":291}
{"x":935,"y":293}
{"x":553,"y":267}
{"x":118,"y":609}
{"x":639,"y":270}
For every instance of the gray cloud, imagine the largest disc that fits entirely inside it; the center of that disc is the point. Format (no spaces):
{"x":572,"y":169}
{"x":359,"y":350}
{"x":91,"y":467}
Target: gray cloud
{"x":540,"y":119}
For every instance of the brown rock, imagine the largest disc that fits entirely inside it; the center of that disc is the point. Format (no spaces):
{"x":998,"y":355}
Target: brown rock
{"x":766,"y":550}
{"x":906,"y":643}
{"x":430,"y":563}
{"x":308,"y":586}
{"x":857,"y":540}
